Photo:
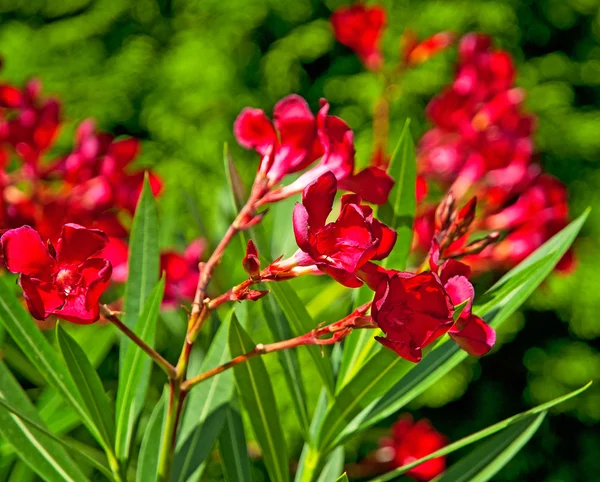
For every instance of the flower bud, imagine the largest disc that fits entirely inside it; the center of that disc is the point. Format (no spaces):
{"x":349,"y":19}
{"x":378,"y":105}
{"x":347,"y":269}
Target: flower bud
{"x":251,"y":263}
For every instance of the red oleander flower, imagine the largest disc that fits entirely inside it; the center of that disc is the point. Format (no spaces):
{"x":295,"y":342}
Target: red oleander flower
{"x":360,"y":28}
{"x":181,"y":273}
{"x":413,"y":310}
{"x":411,"y":441}
{"x":296,"y":139}
{"x":67,"y":282}
{"x":342,"y":247}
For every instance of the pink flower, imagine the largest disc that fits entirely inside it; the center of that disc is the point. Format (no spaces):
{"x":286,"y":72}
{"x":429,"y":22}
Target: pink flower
{"x":412,"y":441}
{"x":66,"y":283}
{"x":342,"y":247}
{"x":360,"y":28}
{"x":417,"y":53}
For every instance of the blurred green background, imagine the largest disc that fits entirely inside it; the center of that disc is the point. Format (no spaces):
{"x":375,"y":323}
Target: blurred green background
{"x":175,"y":73}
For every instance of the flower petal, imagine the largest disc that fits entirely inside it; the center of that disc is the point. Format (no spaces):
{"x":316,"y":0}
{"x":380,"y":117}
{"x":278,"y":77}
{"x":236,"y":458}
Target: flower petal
{"x":24,"y":252}
{"x":300,"y":221}
{"x":253,"y":130}
{"x":474,"y":335}
{"x":460,"y":289}
{"x":76,"y":244}
{"x":318,"y":199}
{"x":387,"y":239}
{"x":42,"y":298}
{"x":373,"y":184}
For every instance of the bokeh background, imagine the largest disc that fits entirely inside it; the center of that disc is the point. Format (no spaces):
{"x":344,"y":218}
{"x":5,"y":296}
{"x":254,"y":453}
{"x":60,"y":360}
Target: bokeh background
{"x":175,"y":73}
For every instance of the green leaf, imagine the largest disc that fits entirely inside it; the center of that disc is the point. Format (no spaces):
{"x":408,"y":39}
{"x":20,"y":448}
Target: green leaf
{"x":333,"y":466}
{"x":301,"y":322}
{"x":33,"y":446}
{"x":279,"y":326}
{"x":143,"y":264}
{"x":147,"y":466}
{"x":488,"y":458}
{"x":89,"y":386}
{"x":503,"y":299}
{"x":399,"y":212}
{"x":234,"y":180}
{"x":205,"y":410}
{"x":35,"y":346}
{"x":256,"y":392}
{"x":233,"y":447}
{"x":342,"y":478}
{"x":135,"y":372}
{"x":376,"y":377}
{"x":481,"y":434}
{"x":359,"y":346}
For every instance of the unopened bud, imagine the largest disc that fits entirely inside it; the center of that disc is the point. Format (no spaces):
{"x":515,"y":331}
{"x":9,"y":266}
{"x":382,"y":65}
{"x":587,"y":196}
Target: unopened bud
{"x":251,"y":262}
{"x":479,"y":245}
{"x":466,"y":215}
{"x":443,"y":213}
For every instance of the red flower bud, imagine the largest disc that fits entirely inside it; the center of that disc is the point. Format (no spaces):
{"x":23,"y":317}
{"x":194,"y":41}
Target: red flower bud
{"x":251,"y":262}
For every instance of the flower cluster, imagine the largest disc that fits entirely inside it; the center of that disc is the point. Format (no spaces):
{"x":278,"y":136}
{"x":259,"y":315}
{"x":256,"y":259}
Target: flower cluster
{"x":413,"y":310}
{"x":481,"y":145}
{"x":94,"y":186}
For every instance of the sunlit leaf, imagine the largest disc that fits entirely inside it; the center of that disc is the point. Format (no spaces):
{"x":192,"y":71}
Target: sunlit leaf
{"x":135,"y":372}
{"x":256,"y":392}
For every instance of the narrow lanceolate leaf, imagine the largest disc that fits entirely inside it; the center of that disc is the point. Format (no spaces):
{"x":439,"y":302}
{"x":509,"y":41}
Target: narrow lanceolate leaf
{"x":238,"y":191}
{"x":205,"y":412}
{"x":342,"y":478}
{"x":503,"y":299}
{"x":279,"y":326}
{"x":377,"y":376}
{"x":135,"y":372}
{"x":40,"y":452}
{"x":359,"y":345}
{"x":143,"y":262}
{"x":333,"y":467}
{"x":301,"y":322}
{"x":28,"y":337}
{"x":89,"y":386}
{"x":97,"y":461}
{"x":256,"y":392}
{"x":486,"y":432}
{"x":233,"y":447}
{"x":399,"y":211}
{"x":147,"y":467}
{"x":489,"y":457}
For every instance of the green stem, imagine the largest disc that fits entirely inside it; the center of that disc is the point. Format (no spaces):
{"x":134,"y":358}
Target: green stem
{"x":117,"y":469}
{"x":311,"y":465}
{"x":167,"y":446}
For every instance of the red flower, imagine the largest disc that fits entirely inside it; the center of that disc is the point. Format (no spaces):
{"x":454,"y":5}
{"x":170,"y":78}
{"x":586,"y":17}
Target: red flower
{"x":296,"y":139}
{"x":181,"y":273}
{"x":66,"y":283}
{"x":360,"y":28}
{"x":342,"y":247}
{"x":412,"y":441}
{"x":413,"y":310}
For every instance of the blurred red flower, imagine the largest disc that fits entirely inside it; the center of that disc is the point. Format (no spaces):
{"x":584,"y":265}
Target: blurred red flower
{"x":181,"y":273}
{"x":411,"y":441}
{"x":360,"y":28}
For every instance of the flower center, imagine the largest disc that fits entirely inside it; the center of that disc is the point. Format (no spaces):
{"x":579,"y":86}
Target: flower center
{"x":67,"y":281}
